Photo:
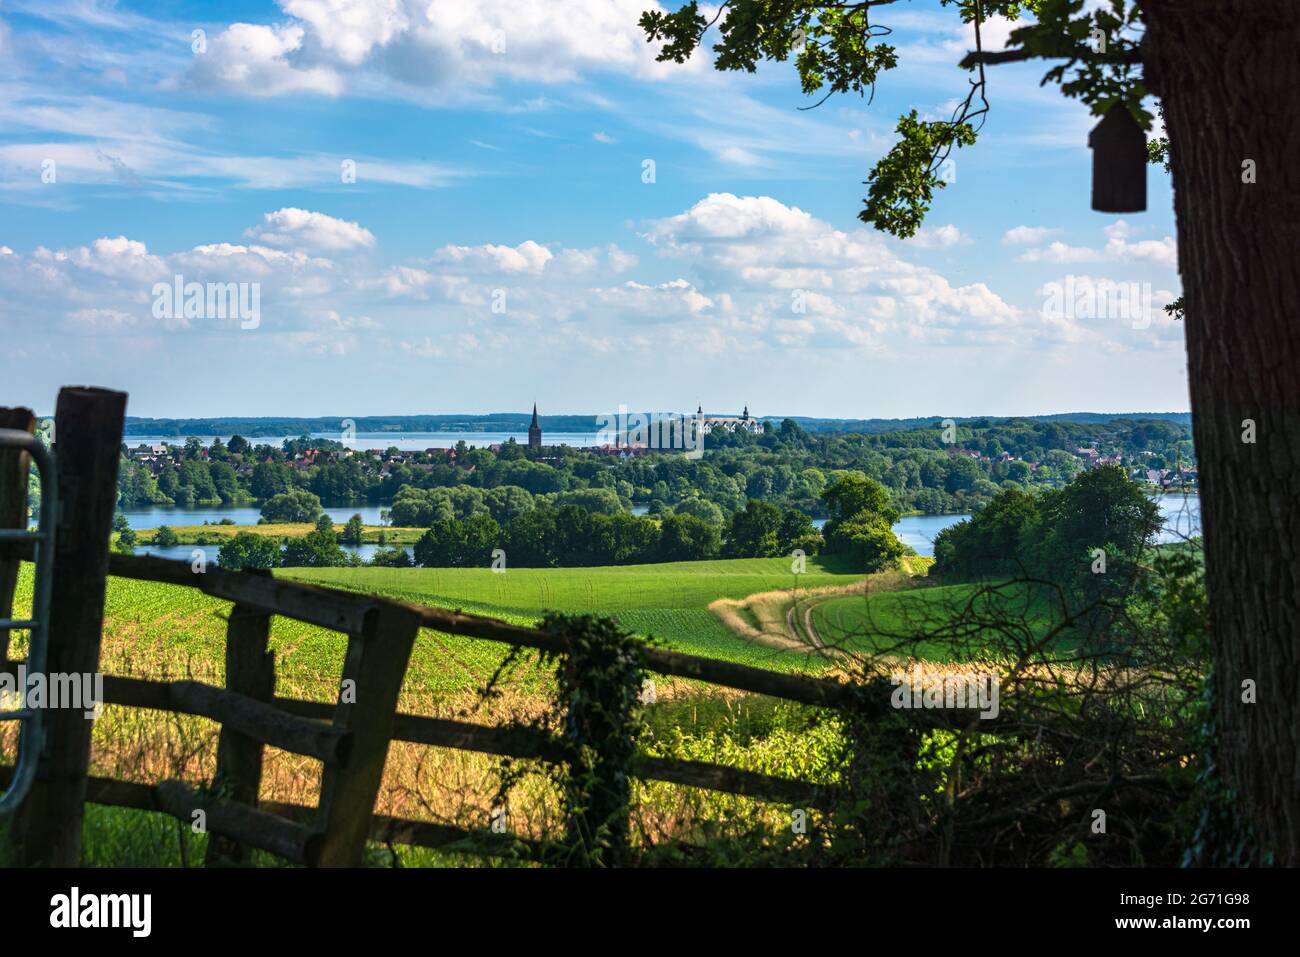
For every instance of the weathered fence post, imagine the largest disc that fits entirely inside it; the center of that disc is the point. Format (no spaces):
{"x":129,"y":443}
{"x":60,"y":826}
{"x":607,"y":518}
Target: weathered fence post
{"x":250,"y":670}
{"x":87,"y":439}
{"x":14,"y":465}
{"x":372,"y":680}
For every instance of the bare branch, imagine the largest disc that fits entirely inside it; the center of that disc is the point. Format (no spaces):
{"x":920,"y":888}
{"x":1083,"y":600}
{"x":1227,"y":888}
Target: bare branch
{"x":992,"y":58}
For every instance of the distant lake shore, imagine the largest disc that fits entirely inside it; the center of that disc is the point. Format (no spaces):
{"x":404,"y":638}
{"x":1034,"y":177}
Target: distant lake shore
{"x":1180,"y":513}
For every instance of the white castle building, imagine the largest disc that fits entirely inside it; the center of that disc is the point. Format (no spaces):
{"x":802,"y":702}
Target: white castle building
{"x":732,"y":423}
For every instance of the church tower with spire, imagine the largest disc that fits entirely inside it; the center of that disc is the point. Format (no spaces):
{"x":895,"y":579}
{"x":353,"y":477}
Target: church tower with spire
{"x":535,"y":431}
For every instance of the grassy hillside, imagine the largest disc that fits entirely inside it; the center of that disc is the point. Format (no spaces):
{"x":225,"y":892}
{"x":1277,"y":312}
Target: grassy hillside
{"x":895,"y":622}
{"x":670,"y":585}
{"x":668,"y":602}
{"x":856,"y":621}
{"x":163,"y":630}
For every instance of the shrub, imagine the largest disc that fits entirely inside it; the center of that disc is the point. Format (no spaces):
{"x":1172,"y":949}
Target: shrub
{"x":392,"y":558}
{"x":247,"y":550}
{"x":294,"y":506}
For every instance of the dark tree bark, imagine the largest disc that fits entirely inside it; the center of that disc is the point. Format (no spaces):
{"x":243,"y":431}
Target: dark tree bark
{"x":1228,"y":75}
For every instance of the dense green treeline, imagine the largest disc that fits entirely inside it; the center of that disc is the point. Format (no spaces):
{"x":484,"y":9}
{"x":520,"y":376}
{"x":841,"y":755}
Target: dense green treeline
{"x":546,"y":536}
{"x":1088,"y":538}
{"x":932,"y":469}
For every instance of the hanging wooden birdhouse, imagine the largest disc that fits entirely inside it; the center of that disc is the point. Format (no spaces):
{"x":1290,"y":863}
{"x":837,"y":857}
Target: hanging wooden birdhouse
{"x":1119,"y":163}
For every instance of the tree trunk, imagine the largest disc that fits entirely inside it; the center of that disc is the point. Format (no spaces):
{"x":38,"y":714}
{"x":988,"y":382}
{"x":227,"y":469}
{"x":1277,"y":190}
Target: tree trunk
{"x":1228,"y":75}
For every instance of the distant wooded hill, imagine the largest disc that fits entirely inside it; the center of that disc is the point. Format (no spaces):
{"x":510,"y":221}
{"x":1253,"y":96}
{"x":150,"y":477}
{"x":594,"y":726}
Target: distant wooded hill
{"x":983,"y":421}
{"x":518,"y":422}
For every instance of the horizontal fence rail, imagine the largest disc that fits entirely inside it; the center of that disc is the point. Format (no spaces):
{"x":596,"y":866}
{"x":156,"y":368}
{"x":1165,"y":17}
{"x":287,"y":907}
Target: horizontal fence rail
{"x":522,"y":742}
{"x":240,"y":822}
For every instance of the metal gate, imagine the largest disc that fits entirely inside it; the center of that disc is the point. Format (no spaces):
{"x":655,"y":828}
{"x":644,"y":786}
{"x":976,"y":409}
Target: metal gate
{"x":31,"y":734}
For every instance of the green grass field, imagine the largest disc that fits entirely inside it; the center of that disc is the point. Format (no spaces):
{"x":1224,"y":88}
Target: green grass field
{"x":897,"y":622}
{"x":159,"y":630}
{"x":667,"y":602}
{"x":856,"y":622}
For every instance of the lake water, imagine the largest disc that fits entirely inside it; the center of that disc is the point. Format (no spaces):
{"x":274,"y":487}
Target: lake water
{"x":1181,"y":515}
{"x":154,"y":515}
{"x":406,"y":441}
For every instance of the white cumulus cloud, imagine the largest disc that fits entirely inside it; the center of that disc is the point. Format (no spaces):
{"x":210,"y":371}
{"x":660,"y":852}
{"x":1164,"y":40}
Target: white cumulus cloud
{"x":333,"y":47}
{"x":527,"y":257}
{"x":294,"y":228}
{"x":1118,"y":248}
{"x":1026,"y":235}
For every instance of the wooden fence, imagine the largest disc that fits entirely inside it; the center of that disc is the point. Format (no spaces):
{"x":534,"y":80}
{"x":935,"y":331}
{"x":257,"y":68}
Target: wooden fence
{"x":350,"y":737}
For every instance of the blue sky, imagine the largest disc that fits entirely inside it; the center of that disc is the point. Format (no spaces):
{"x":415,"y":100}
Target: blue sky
{"x":500,"y":243}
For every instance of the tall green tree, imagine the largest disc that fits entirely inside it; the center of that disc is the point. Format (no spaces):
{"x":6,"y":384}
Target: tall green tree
{"x":126,"y":537}
{"x":459,"y":543}
{"x":861,"y":523}
{"x":852,"y":494}
{"x":685,"y":538}
{"x":224,"y":482}
{"x":270,"y":478}
{"x":993,"y":542}
{"x":294,"y":506}
{"x":353,"y":531}
{"x":754,"y":531}
{"x":319,"y":548}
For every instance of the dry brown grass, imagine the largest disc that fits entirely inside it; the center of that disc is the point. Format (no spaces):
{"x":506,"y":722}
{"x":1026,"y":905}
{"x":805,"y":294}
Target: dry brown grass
{"x":420,"y":782}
